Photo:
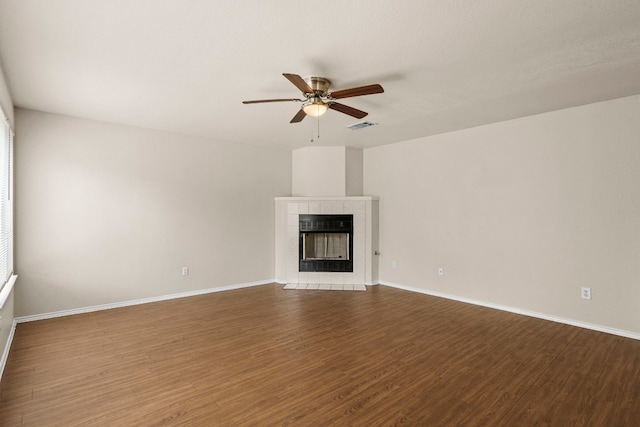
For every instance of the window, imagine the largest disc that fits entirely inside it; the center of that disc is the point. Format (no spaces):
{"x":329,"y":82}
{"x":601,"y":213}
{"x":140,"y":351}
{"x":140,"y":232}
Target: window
{"x":6,"y":201}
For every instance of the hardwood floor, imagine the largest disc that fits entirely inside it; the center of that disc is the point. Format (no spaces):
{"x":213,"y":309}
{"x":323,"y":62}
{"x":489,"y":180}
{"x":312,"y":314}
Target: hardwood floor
{"x":266,"y":356}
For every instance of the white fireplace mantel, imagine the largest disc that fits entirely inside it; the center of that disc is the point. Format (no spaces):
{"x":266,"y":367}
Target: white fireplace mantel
{"x":365,"y":238}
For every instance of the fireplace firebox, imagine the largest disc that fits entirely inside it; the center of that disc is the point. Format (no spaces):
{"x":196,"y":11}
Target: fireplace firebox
{"x":326,"y":243}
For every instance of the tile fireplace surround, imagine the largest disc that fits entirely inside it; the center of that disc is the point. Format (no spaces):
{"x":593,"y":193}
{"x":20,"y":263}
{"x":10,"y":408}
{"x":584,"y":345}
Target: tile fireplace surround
{"x":365,"y":238}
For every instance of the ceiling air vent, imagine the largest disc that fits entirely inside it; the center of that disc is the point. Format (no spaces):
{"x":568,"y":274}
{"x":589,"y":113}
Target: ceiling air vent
{"x":361,"y":125}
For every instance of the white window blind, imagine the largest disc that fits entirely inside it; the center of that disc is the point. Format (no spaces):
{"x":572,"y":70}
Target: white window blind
{"x":6,"y":201}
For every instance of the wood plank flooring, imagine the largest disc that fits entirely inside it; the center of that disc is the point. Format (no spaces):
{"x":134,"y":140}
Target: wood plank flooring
{"x":265,"y":356}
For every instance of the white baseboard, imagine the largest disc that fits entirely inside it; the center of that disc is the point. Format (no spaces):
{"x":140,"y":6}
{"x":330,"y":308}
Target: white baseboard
{"x":90,"y":309}
{"x":599,"y":328}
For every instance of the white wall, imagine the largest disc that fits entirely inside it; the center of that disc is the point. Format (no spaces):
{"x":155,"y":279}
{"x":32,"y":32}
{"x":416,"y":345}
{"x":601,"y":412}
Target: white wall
{"x":108,"y":213}
{"x":521,"y":213}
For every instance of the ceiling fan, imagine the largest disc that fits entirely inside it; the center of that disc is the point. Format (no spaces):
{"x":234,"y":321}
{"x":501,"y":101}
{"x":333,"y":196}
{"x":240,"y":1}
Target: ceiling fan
{"x":317,"y":98}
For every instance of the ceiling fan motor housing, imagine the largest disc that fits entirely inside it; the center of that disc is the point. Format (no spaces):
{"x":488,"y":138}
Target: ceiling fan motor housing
{"x":320,"y":85}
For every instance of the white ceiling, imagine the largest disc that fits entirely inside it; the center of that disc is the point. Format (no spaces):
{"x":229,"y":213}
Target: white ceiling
{"x":186,"y":65}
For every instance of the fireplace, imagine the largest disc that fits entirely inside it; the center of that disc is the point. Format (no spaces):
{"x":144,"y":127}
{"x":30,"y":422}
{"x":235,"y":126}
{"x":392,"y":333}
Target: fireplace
{"x":326,"y":243}
{"x":298,"y":217}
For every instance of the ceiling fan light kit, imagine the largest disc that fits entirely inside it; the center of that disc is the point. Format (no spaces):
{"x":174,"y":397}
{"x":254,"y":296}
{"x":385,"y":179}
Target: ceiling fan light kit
{"x":317,"y":99}
{"x":316,"y":108}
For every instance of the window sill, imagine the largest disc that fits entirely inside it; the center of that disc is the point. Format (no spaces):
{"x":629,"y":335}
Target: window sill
{"x":6,"y":290}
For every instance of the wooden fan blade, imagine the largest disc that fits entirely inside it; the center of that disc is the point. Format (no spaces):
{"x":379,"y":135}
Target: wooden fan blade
{"x":299,"y":116}
{"x":259,"y":101}
{"x":357,"y":91}
{"x":354,"y":112}
{"x":298,"y":82}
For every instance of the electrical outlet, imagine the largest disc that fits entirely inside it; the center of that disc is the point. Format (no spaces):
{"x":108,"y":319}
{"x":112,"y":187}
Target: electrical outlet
{"x":586,"y":293}
{"x":394,"y":264}
{"x":185,"y":271}
{"x":440,"y":271}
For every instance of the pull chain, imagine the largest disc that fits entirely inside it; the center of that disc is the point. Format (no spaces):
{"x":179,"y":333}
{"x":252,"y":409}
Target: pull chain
{"x":318,"y":137}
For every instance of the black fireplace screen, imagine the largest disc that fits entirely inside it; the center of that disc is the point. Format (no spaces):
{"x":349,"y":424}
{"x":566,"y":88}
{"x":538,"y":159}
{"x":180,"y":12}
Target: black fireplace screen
{"x":326,"y":243}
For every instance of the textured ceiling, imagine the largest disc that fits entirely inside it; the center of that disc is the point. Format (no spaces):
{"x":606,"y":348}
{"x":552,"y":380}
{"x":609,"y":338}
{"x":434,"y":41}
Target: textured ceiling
{"x":185,"y":66}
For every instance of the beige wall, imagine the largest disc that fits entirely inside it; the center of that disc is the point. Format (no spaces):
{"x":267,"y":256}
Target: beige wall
{"x":326,"y":172}
{"x":5,"y":98}
{"x":318,"y":171}
{"x":521,"y":213}
{"x":109,"y":213}
{"x":354,"y":159}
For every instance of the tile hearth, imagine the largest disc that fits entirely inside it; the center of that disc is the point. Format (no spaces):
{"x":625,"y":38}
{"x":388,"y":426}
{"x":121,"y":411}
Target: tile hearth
{"x":325,"y":287}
